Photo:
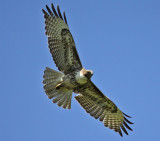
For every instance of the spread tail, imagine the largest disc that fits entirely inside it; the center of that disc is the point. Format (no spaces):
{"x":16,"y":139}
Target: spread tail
{"x":61,"y":96}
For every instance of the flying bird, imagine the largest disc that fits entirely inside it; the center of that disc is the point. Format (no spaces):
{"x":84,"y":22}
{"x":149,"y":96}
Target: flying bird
{"x":72,"y":77}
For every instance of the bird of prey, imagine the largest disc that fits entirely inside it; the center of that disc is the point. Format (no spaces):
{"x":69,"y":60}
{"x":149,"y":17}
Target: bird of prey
{"x":74,"y":78}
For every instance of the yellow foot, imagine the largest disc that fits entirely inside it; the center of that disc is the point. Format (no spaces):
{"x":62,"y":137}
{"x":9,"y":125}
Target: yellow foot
{"x":58,"y":86}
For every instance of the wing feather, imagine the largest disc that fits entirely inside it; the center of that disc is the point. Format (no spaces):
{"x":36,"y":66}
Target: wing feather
{"x":64,"y":15}
{"x":59,"y":12}
{"x":60,"y":41}
{"x":101,"y":107}
{"x":54,"y":10}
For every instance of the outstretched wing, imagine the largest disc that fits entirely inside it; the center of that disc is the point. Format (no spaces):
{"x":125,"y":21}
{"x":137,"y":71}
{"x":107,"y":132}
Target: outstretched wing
{"x":60,"y":41}
{"x":100,"y":107}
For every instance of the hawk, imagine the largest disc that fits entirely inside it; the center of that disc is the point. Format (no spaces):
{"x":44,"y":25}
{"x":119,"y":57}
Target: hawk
{"x":74,"y":78}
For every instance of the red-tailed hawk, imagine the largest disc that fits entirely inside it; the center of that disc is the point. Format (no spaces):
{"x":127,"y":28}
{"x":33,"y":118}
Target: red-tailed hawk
{"x":59,"y":86}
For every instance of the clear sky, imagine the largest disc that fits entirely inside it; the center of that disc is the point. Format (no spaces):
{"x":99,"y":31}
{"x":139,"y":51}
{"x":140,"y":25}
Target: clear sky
{"x":118,"y":39}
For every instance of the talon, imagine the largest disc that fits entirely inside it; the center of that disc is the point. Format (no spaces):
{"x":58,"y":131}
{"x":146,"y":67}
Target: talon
{"x":58,"y":86}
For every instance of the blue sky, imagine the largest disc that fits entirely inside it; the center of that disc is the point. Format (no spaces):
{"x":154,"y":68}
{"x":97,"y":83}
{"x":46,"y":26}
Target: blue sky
{"x":118,"y":40}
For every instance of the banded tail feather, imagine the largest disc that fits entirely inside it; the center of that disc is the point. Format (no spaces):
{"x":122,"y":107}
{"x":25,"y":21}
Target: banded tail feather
{"x":61,"y":96}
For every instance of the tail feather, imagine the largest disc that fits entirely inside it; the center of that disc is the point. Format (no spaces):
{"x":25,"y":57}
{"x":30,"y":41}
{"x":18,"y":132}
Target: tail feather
{"x":51,"y":79}
{"x":52,"y":94}
{"x":61,"y":96}
{"x":67,"y":102}
{"x":58,"y":98}
{"x":51,"y":76}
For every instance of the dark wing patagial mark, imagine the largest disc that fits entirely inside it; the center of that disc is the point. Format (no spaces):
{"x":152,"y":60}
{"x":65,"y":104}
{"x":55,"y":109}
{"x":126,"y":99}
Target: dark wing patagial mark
{"x":99,"y":106}
{"x":60,"y":41}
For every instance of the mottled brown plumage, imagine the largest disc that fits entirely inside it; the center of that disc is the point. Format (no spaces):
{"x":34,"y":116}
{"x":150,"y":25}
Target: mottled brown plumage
{"x":60,"y":41}
{"x":74,"y":78}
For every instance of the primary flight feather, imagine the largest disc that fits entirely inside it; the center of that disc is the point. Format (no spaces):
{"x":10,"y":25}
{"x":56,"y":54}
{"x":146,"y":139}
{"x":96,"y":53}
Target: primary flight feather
{"x":59,"y":86}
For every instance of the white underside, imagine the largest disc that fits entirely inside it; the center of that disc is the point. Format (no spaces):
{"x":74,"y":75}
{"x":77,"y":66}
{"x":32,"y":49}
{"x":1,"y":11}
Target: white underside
{"x":80,"y":78}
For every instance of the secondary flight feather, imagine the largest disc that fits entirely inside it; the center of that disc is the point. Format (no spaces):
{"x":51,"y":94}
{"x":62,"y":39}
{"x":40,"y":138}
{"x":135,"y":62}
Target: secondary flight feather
{"x":74,"y":78}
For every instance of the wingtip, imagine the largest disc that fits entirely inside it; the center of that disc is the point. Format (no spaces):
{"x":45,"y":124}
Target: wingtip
{"x":59,"y":12}
{"x":43,"y":11}
{"x":64,"y":15}
{"x":127,"y":115}
{"x":47,"y":6}
{"x":120,"y":133}
{"x":124,"y":130}
{"x":128,"y":121}
{"x":54,"y":10}
{"x":126,"y":125}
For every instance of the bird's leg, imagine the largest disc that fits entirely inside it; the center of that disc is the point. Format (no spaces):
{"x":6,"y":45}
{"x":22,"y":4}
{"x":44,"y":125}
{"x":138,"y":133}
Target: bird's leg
{"x":58,"y":86}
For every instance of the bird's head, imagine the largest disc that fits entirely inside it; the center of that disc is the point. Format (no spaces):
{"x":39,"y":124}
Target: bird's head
{"x":88,"y":74}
